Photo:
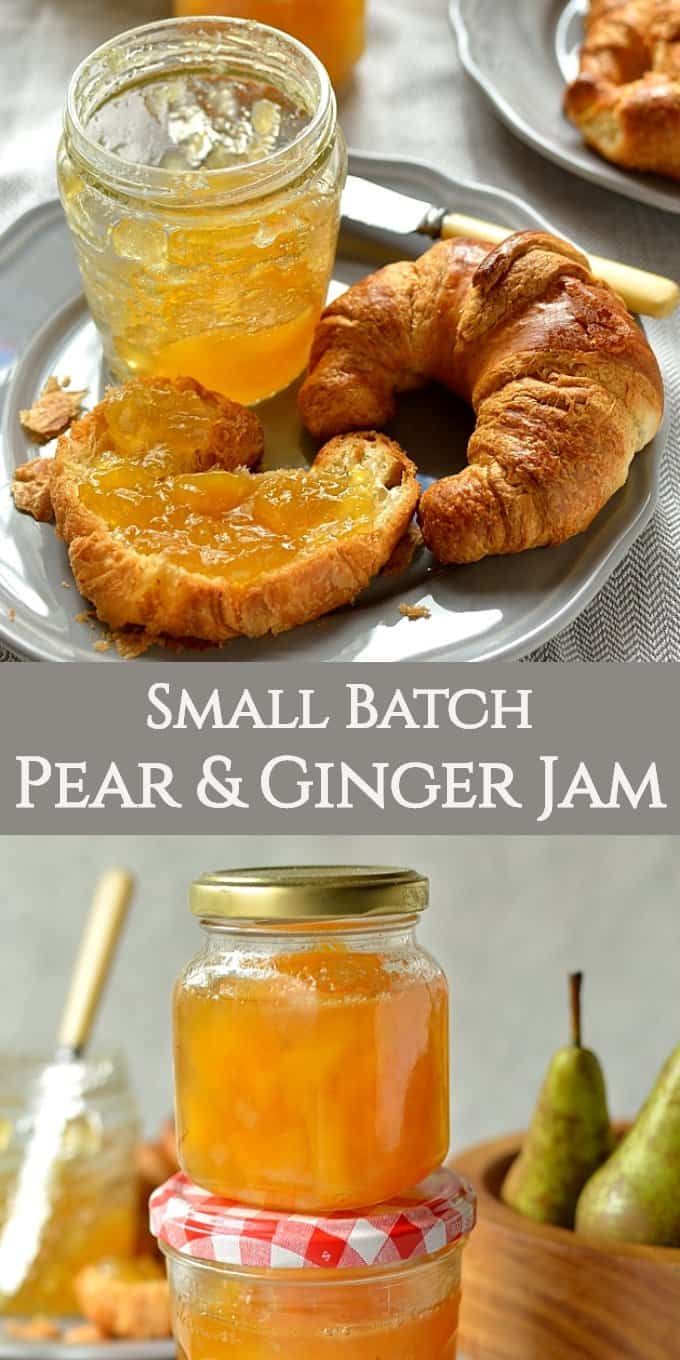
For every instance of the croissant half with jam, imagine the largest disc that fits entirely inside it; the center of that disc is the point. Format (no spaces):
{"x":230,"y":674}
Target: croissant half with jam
{"x":169,"y":531}
{"x":565,"y":388}
{"x":626,"y":98}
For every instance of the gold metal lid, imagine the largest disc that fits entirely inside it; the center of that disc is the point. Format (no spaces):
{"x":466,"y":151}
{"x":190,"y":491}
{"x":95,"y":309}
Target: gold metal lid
{"x":308,"y":893}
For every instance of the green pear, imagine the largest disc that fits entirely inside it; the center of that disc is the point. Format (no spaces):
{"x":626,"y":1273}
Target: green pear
{"x":635,"y":1196}
{"x":570,"y":1134}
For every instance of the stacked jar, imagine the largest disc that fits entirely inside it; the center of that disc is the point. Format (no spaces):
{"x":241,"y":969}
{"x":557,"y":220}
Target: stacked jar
{"x":313,"y":1216}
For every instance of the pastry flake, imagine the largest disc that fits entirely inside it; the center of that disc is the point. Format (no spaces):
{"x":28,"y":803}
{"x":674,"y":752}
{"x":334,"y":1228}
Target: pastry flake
{"x":52,"y":412}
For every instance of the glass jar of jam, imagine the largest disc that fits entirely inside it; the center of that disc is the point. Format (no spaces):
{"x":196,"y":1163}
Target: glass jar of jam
{"x":334,"y":29}
{"x":249,"y":1284}
{"x":87,"y":1210}
{"x":311,"y":1039}
{"x":201,"y":169}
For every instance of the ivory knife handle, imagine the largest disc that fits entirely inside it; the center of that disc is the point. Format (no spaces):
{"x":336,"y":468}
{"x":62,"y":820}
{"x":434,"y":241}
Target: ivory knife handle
{"x":646,"y":294}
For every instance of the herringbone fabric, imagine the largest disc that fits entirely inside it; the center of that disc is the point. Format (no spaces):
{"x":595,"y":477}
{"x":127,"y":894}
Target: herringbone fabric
{"x":636,"y":616}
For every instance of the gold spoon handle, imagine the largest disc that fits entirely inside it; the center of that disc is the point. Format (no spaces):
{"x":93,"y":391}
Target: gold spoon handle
{"x":643,"y":293}
{"x":105,"y":921}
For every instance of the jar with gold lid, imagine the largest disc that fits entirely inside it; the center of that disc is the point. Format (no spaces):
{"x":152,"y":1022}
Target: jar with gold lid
{"x":200,"y":169}
{"x":334,"y":29}
{"x":311,"y":1039}
{"x":88,"y":1210}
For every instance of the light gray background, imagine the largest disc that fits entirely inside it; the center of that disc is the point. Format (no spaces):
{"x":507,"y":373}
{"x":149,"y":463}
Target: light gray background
{"x":509,"y":917}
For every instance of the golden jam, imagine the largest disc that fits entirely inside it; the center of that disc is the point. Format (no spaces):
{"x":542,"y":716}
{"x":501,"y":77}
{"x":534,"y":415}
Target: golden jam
{"x":312,"y":1080}
{"x":410,"y":1314}
{"x":235,"y":525}
{"x":201,"y":170}
{"x":334,"y":29}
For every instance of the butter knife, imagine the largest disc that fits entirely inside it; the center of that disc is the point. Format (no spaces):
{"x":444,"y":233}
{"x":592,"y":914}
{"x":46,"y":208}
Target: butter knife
{"x":369,"y":206}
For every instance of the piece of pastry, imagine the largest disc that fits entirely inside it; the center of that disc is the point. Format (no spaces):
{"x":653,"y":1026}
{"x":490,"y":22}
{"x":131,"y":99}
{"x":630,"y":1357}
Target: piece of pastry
{"x":127,"y":1299}
{"x":166,"y":532}
{"x":626,"y":97}
{"x":564,"y":385}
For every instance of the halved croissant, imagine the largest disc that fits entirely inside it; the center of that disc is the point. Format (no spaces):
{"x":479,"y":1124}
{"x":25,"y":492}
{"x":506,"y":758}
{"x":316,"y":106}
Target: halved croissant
{"x":134,"y":570}
{"x":626,"y":98}
{"x":564,"y":385}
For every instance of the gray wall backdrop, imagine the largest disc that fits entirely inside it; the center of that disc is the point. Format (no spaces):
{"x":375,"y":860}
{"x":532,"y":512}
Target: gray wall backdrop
{"x":510,"y":916}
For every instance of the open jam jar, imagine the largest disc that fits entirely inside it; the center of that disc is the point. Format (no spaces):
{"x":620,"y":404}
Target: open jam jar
{"x":88,"y":1209}
{"x":255,"y":1285}
{"x":311,"y":1039}
{"x":200,"y":169}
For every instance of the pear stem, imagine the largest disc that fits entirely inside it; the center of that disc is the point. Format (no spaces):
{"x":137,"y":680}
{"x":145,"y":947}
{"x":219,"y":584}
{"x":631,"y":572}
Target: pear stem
{"x":575,"y":985}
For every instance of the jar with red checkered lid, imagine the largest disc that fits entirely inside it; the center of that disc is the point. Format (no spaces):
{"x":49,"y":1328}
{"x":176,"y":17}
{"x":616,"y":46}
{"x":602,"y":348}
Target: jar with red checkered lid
{"x":311,"y":1039}
{"x":251,"y":1284}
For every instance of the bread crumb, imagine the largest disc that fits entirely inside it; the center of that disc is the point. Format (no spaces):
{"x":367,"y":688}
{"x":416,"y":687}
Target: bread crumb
{"x":66,"y":585}
{"x":415,"y":611}
{"x":84,"y":1334}
{"x":103,"y":645}
{"x":86,"y":616}
{"x":53,"y":411}
{"x":38,"y":1328}
{"x":11,"y":614}
{"x":31,"y":489}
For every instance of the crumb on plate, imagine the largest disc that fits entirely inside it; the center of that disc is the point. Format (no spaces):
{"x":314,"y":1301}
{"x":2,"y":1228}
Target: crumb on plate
{"x":37,"y":1328}
{"x":83,"y":1334}
{"x":53,"y":411}
{"x":415,"y":611}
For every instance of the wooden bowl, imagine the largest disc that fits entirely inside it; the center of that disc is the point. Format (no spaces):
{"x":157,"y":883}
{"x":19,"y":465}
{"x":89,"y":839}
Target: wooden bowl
{"x":533,"y":1292}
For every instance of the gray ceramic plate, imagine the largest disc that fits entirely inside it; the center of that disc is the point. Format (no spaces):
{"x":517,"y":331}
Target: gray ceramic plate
{"x":107,"y":1350}
{"x":522,"y":53}
{"x":500,"y":608}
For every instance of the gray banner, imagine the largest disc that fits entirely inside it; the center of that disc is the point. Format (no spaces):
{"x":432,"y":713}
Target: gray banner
{"x":240,"y":749}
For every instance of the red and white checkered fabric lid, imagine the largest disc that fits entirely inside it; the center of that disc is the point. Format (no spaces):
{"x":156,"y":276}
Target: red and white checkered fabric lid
{"x":197,"y":1224}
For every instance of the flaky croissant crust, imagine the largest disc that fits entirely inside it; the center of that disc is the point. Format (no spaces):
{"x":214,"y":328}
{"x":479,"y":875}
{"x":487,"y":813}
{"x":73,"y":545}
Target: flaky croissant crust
{"x":564,"y":385}
{"x":626,"y":98}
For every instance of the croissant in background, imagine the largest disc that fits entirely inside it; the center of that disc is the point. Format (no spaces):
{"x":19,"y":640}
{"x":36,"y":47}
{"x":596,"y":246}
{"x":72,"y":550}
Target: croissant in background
{"x":626,"y":98}
{"x":565,"y":388}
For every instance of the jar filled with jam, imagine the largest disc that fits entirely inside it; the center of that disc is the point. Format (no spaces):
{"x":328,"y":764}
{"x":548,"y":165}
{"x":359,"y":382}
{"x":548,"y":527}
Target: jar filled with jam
{"x":201,"y":169}
{"x":311,"y":1039}
{"x":257,"y":1285}
{"x":334,"y":29}
{"x":88,"y":1210}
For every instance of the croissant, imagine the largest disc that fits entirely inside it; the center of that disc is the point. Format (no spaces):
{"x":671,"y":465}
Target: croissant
{"x":564,"y":385}
{"x":169,"y":531}
{"x":626,"y":98}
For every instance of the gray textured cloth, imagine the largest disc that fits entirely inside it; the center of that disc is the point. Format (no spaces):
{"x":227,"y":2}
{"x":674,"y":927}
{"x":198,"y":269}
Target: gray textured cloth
{"x":410,"y":99}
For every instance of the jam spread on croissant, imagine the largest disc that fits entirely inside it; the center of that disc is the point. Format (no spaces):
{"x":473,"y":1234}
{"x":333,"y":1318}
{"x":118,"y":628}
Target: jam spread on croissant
{"x":141,"y":480}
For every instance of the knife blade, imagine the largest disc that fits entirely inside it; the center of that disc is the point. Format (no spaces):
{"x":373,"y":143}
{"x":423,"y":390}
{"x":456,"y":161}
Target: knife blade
{"x":367,"y":206}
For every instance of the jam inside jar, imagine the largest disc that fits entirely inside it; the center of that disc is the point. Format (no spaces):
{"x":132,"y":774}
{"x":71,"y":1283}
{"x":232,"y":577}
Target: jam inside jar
{"x":382,"y":1284}
{"x":200,"y":170}
{"x":334,"y":29}
{"x":311,"y":1040}
{"x":88,"y":1211}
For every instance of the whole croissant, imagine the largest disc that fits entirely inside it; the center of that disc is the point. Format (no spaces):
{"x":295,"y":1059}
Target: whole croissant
{"x":626,"y":98}
{"x":564,"y":385}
